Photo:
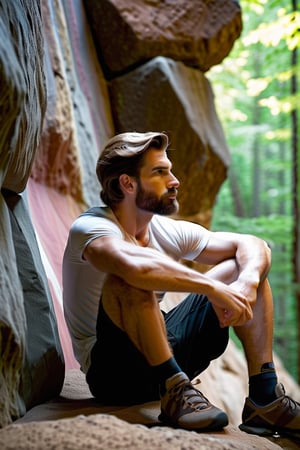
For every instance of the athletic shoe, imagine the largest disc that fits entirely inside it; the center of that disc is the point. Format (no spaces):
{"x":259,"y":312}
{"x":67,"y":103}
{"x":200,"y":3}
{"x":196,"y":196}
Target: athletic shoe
{"x":281,"y":416}
{"x":183,"y":406}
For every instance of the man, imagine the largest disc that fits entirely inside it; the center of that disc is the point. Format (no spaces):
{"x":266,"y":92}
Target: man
{"x":118,"y":262}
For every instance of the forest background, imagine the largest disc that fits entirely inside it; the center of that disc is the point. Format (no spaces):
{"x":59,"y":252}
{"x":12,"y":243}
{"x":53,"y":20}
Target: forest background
{"x":257,"y":98}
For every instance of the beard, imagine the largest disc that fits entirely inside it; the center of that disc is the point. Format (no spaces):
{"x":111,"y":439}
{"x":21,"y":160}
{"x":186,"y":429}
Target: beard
{"x":149,"y":201}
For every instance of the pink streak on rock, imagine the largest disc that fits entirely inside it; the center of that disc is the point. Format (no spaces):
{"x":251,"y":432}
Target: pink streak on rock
{"x":52,"y":214}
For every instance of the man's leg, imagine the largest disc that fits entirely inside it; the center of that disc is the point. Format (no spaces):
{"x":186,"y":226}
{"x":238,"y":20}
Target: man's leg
{"x":137,"y":313}
{"x":267,"y":409}
{"x":257,"y":334}
{"x":190,"y":324}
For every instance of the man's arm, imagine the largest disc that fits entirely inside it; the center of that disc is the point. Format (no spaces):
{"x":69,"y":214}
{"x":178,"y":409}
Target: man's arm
{"x":148,"y":269}
{"x":251,"y":254}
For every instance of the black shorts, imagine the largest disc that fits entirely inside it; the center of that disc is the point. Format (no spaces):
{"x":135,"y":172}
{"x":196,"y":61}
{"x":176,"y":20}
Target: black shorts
{"x":120,"y":374}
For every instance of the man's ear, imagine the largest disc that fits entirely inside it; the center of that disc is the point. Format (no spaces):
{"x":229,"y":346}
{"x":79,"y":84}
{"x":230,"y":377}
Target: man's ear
{"x":127,"y":183}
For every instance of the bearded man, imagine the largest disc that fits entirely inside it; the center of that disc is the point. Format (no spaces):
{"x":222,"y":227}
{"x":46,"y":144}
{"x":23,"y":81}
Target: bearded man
{"x":120,"y":259}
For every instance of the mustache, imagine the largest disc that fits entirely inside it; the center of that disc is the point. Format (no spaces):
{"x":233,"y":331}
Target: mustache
{"x":171,"y":191}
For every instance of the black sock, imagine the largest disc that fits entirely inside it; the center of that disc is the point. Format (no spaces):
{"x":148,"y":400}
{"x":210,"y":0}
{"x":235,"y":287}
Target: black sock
{"x":262,"y":385}
{"x":164,"y":371}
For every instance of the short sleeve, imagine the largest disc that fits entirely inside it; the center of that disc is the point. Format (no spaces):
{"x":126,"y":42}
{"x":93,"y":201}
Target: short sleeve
{"x":90,"y":226}
{"x":179,"y":238}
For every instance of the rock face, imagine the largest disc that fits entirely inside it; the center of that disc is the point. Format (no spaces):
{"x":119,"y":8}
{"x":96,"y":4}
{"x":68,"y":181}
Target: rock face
{"x":164,"y":48}
{"x":171,"y":93}
{"x":22,"y":91}
{"x":57,"y":109}
{"x":24,"y":295}
{"x":103,"y":431}
{"x":129,"y":32}
{"x":77,"y":119}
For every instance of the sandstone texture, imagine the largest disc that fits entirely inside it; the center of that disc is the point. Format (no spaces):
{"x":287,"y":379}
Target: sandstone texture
{"x":96,"y":426}
{"x":22,"y":91}
{"x":171,"y":93}
{"x":72,"y":74}
{"x":103,"y":431}
{"x":77,"y":119}
{"x":129,"y":32}
{"x":22,"y":279}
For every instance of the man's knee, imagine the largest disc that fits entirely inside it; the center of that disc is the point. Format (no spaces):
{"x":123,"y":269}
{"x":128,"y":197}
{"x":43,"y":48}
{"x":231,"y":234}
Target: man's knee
{"x":114,"y":283}
{"x":115,"y":288}
{"x":226,"y":271}
{"x":125,"y":304}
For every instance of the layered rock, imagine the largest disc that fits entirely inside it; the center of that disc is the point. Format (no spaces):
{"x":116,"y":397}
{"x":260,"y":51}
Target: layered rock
{"x":77,"y":123}
{"x":22,"y":91}
{"x":179,"y":100}
{"x":77,"y":119}
{"x":129,"y":32}
{"x":23,"y":280}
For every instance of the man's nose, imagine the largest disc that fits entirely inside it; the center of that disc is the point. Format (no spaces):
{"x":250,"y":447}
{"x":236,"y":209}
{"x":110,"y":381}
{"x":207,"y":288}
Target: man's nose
{"x":174,"y":182}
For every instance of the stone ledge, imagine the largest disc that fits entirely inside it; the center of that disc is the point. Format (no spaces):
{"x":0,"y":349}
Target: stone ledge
{"x":105,"y":431}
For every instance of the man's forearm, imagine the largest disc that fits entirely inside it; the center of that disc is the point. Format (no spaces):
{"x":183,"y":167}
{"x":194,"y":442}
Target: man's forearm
{"x":253,"y":258}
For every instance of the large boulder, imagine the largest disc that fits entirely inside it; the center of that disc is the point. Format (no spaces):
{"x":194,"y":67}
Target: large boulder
{"x":130,"y":32}
{"x":177,"y":99}
{"x":29,"y":343}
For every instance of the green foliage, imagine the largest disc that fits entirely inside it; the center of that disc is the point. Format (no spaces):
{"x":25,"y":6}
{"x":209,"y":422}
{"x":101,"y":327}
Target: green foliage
{"x":253,"y":99}
{"x":276,"y":230}
{"x":285,"y":28}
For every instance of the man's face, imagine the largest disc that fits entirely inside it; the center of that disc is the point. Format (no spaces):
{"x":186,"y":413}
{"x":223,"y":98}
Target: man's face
{"x":157,"y":186}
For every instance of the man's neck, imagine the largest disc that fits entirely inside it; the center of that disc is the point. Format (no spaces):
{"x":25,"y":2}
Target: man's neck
{"x":134,"y":222}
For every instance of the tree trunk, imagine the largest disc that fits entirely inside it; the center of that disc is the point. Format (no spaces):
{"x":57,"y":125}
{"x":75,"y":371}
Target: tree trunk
{"x":296,"y":194}
{"x":238,"y":204}
{"x":256,"y":169}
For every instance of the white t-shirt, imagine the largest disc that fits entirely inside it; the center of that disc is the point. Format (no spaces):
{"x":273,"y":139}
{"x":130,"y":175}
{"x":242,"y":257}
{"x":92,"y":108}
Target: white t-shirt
{"x":82,"y":284}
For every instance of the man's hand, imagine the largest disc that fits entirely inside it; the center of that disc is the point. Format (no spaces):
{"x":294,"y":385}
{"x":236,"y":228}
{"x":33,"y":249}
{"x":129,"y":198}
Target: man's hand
{"x":231,"y":305}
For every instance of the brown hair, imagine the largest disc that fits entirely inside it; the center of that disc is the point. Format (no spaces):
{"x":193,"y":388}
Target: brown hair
{"x":124,"y":154}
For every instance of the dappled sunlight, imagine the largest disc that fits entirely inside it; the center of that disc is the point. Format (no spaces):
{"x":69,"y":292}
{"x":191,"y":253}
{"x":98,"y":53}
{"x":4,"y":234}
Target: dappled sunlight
{"x":286,"y":27}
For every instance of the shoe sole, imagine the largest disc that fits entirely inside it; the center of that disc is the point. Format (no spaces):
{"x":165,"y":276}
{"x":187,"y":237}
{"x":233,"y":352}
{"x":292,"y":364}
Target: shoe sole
{"x":269,"y":432}
{"x":220,"y":422}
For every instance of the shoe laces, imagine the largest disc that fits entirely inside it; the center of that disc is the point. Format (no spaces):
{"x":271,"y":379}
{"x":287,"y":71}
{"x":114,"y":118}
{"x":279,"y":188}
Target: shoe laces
{"x":190,"y":396}
{"x":288,"y":402}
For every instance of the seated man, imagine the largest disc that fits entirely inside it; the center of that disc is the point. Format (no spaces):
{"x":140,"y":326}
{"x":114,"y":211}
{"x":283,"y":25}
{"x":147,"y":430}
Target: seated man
{"x":118,"y":262}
